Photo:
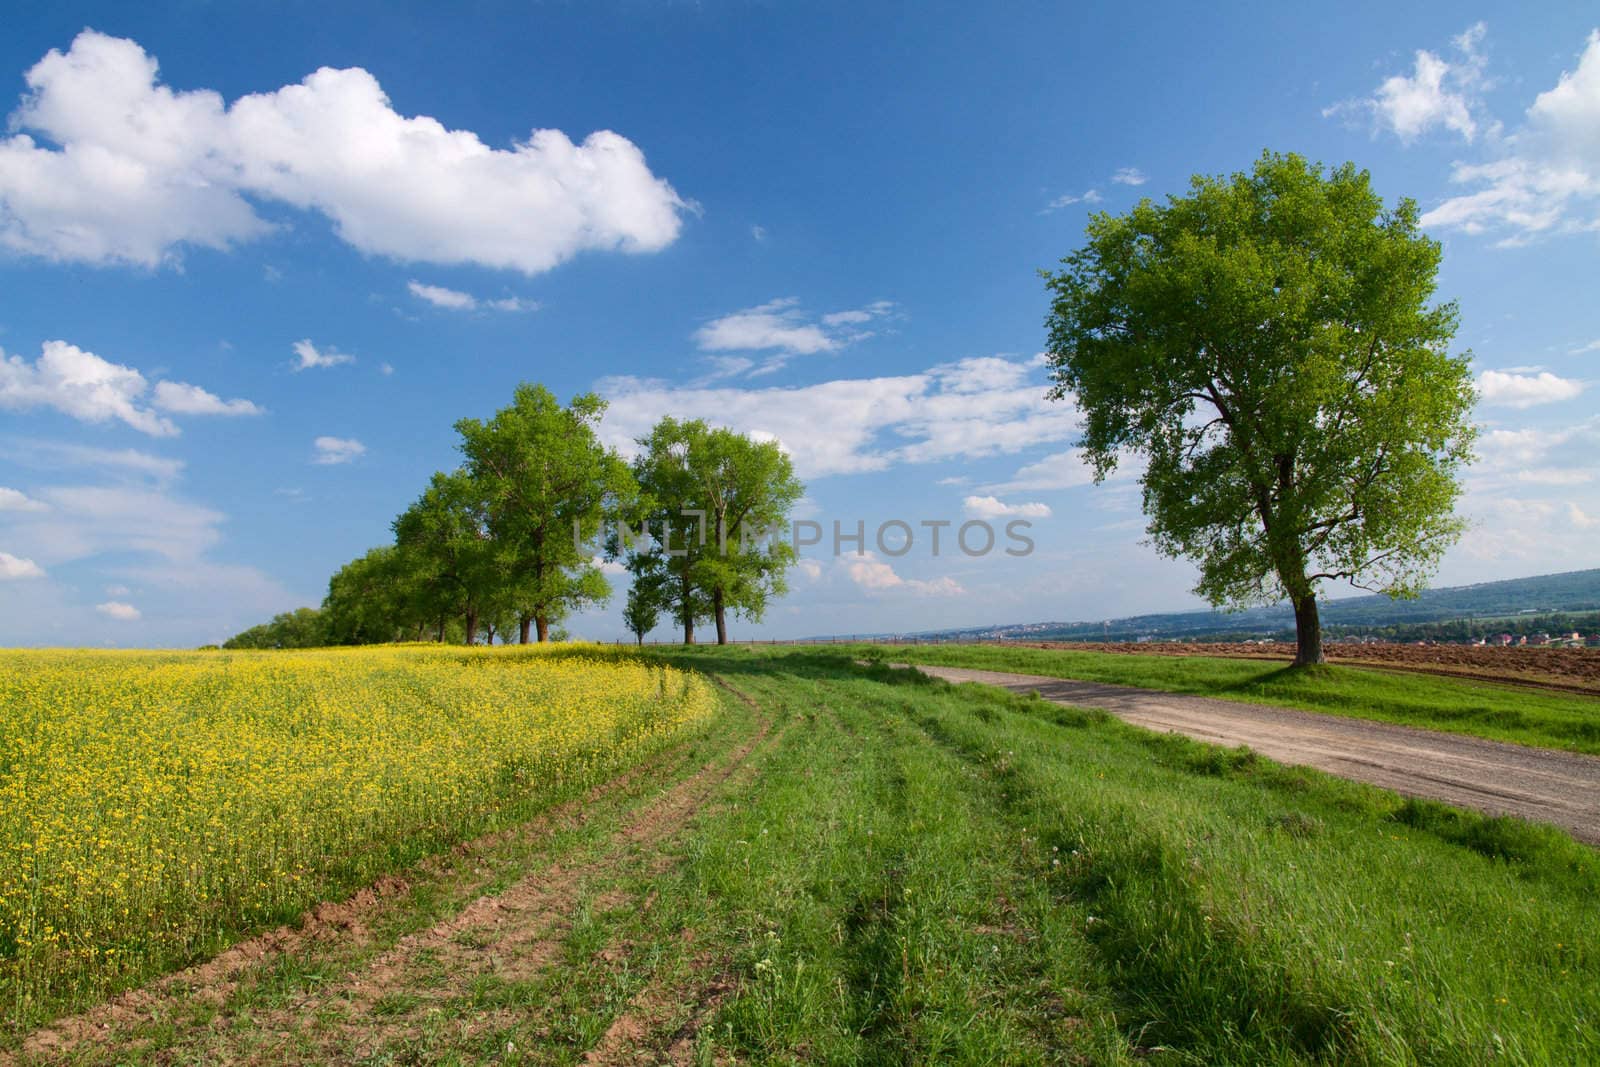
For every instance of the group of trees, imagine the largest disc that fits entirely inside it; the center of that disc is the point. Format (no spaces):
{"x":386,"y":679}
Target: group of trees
{"x":1268,"y":346}
{"x":511,"y":541}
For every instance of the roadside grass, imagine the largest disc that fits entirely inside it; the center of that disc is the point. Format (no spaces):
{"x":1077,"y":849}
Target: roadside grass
{"x":1496,"y":712}
{"x":910,"y":871}
{"x":1238,"y":911}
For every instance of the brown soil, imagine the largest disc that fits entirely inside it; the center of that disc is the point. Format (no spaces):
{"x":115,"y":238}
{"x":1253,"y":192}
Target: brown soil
{"x":1565,"y":669}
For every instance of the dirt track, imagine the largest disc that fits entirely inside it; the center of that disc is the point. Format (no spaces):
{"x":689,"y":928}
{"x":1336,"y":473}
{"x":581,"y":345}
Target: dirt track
{"x":1502,"y":779}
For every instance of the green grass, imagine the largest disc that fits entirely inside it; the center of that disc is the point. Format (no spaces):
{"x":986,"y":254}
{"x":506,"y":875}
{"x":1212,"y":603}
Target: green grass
{"x":912,"y":872}
{"x":1497,"y":712}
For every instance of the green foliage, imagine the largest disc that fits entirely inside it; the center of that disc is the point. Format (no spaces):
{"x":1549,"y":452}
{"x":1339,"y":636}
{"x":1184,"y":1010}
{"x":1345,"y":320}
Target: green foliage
{"x":300,"y":628}
{"x":445,"y":549}
{"x":640,"y":614}
{"x":714,"y":503}
{"x":547,"y":485}
{"x":1267,"y":346}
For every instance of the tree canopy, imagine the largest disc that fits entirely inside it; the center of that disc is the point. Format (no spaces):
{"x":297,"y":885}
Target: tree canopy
{"x":709,"y":497}
{"x":1268,"y":348}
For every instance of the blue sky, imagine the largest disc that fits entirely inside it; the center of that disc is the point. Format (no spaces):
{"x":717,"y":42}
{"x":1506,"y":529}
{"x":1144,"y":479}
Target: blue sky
{"x":243,"y":296}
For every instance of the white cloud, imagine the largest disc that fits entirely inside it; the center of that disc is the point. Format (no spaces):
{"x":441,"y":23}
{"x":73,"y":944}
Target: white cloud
{"x":182,"y":399}
{"x":1059,"y":470}
{"x":609,"y":566}
{"x":1541,"y":455}
{"x":1130,"y":176}
{"x":1091,"y":196}
{"x":123,"y":462}
{"x":116,"y":609}
{"x":139,"y":170}
{"x":1437,"y":93}
{"x":1525,"y":390}
{"x":331,"y":450}
{"x":91,"y":389}
{"x":15,"y":568}
{"x":1548,"y":175}
{"x":130,"y":536}
{"x":16,"y":500}
{"x":782,"y":326}
{"x":989,"y":507}
{"x":456,"y":300}
{"x":439,"y":296}
{"x":1592,"y":346}
{"x":1578,"y":518}
{"x":975,"y":407}
{"x":79,"y":384}
{"x":876,"y":576}
{"x":758,"y":232}
{"x":310,"y":356}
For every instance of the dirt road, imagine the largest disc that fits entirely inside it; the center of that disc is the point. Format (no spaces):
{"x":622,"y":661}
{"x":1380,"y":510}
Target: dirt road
{"x":1537,"y":784}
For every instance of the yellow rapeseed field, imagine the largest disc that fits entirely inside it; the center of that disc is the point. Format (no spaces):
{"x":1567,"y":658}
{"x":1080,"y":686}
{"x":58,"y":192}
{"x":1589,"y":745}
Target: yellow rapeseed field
{"x":153,"y":805}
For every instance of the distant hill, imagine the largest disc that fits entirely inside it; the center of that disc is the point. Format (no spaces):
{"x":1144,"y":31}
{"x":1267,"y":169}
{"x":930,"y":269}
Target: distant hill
{"x":1542,"y":596}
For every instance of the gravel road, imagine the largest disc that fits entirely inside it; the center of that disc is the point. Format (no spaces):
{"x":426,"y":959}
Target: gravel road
{"x":1503,"y":779}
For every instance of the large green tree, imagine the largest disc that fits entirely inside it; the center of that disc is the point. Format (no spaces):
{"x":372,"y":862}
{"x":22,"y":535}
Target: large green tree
{"x":549,"y":484}
{"x":1270,"y":348}
{"x":372,"y":599}
{"x":446,"y":549}
{"x":711,"y":498}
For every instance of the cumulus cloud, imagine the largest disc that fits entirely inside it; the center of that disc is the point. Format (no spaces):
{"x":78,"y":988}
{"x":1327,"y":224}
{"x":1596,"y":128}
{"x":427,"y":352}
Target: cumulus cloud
{"x":16,"y":500}
{"x":1509,"y":389}
{"x":1547,"y":177}
{"x":975,"y":407}
{"x":332,"y":450}
{"x":989,"y":507}
{"x":1130,"y":176}
{"x":1438,"y":92}
{"x":13,"y":568}
{"x":182,"y":399}
{"x":876,"y":576}
{"x":86,"y":387}
{"x":129,"y":171}
{"x":782,"y":326}
{"x":456,"y":300}
{"x":308,"y":356}
{"x":116,"y":609}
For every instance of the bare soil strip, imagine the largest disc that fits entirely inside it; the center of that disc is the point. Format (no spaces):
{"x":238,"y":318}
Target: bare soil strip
{"x":514,"y":933}
{"x":1542,"y":785}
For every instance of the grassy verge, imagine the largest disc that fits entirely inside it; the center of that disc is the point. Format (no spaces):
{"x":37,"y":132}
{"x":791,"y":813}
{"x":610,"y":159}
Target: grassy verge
{"x":907,"y":871}
{"x":1496,"y":712}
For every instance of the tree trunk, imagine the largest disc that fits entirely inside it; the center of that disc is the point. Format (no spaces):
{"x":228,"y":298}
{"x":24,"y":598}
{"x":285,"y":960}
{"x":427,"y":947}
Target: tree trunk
{"x":688,"y":609}
{"x":641,"y":639}
{"x":472,"y":627}
{"x":722,"y":616}
{"x":440,"y":637}
{"x":542,"y":625}
{"x":524,"y":626}
{"x":1307,"y":632}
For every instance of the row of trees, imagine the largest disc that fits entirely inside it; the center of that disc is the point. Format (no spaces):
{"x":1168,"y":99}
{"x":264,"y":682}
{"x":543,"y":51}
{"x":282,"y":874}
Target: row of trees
{"x":512,"y":540}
